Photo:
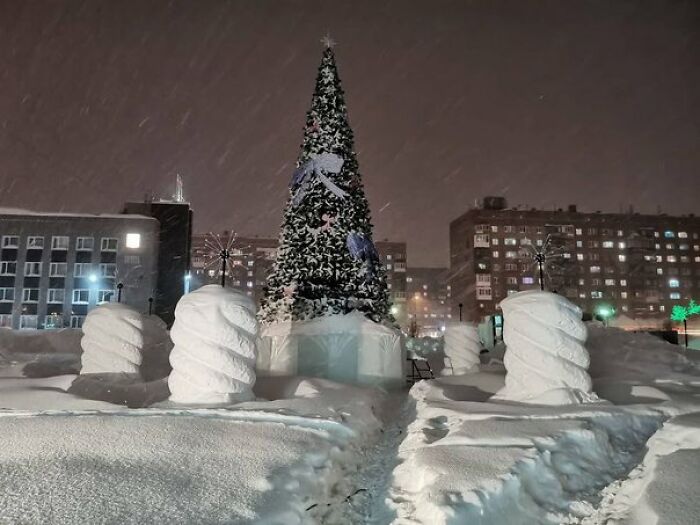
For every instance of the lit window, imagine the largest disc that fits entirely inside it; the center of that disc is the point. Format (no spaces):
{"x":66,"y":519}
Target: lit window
{"x":511,"y":255}
{"x":59,"y":242}
{"x":249,"y":284}
{"x":623,"y":282}
{"x":659,"y":271}
{"x":596,"y":294}
{"x":608,"y":244}
{"x":595,"y":269}
{"x":682,"y":235}
{"x":609,"y":282}
{"x":623,"y":295}
{"x":133,"y":240}
{"x":495,"y":254}
{"x":671,"y":258}
{"x":674,"y":295}
{"x":528,"y":280}
{"x":669,"y":234}
{"x":620,"y":233}
{"x":494,"y":241}
{"x":579,"y":231}
{"x":579,"y":256}
{"x":621,"y":245}
{"x":622,"y":258}
{"x":494,"y":229}
{"x":509,"y":241}
{"x":673,"y":283}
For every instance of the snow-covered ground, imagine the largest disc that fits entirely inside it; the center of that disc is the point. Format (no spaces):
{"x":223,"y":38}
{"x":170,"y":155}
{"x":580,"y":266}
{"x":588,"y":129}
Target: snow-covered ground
{"x":468,"y":460}
{"x":315,"y":451}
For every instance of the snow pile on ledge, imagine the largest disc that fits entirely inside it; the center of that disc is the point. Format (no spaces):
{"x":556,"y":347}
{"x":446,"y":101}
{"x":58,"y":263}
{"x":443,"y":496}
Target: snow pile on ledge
{"x":348,"y":348}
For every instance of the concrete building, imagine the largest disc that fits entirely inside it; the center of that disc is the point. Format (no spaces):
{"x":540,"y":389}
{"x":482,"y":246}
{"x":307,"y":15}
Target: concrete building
{"x":253,"y":257}
{"x":640,"y":265}
{"x":393,"y":257}
{"x":55,"y":267}
{"x":429,"y":298}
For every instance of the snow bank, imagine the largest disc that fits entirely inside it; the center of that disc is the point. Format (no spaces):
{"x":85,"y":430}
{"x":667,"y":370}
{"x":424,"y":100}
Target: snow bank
{"x":465,"y":461}
{"x":348,"y":348}
{"x":214,"y":355}
{"x":462,"y":348}
{"x":62,"y":341}
{"x":545,"y":357}
{"x":113,"y":340}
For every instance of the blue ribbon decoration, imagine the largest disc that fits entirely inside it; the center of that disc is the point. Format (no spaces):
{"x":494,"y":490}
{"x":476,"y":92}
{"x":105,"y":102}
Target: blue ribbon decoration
{"x":318,"y":165}
{"x":362,"y":248}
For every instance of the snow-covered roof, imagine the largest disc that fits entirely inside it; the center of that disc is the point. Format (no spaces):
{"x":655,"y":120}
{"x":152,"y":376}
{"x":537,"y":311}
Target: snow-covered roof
{"x":31,"y":213}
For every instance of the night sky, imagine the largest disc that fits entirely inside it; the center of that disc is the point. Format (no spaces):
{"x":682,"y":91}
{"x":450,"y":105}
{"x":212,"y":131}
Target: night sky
{"x":548,"y":103}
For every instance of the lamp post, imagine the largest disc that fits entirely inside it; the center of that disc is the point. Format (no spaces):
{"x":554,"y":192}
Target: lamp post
{"x":460,"y":311}
{"x":224,"y":256}
{"x":540,"y":258}
{"x":119,"y":292}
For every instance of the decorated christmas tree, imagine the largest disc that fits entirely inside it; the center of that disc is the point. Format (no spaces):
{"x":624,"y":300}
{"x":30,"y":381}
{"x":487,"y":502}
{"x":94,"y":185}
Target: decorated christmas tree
{"x":326,"y":262}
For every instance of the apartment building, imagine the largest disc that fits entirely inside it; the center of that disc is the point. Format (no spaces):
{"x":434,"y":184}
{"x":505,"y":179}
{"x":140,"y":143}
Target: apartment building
{"x":640,"y":265}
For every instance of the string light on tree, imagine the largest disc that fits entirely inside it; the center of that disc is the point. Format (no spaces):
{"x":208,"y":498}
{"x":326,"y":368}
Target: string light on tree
{"x":680,"y":314}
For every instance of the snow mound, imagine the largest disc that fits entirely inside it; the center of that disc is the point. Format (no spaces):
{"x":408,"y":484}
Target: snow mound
{"x":546,"y":359}
{"x":113,"y":340}
{"x":462,"y":348}
{"x":214,"y":355}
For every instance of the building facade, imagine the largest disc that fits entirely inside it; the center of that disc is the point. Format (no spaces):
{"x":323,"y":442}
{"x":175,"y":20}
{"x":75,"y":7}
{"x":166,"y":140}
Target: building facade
{"x":54,"y":268}
{"x":429,"y":298}
{"x":638,"y":265}
{"x":393,"y":256}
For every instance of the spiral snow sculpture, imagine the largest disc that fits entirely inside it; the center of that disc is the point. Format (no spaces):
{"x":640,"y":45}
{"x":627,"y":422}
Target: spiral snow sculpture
{"x":113,"y":340}
{"x":545,"y":359}
{"x":214,"y":355}
{"x":462,"y":347}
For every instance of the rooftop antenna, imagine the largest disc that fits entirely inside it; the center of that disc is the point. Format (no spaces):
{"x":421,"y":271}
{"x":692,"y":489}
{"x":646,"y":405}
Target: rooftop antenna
{"x":179,"y":194}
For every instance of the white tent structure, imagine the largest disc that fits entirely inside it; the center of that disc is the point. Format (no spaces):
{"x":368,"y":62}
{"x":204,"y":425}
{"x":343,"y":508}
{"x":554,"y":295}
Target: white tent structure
{"x":347,"y":348}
